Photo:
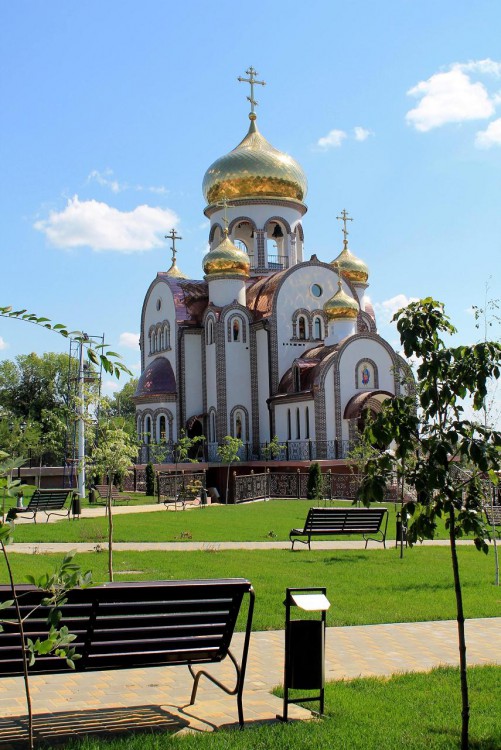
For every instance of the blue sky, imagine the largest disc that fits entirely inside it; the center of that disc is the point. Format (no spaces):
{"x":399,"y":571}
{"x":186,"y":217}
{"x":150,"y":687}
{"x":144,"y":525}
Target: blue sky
{"x":112,"y":111}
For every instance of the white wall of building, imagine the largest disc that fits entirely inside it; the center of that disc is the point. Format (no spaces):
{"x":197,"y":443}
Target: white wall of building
{"x":238,"y":373}
{"x":193,"y":390}
{"x":263,"y":386}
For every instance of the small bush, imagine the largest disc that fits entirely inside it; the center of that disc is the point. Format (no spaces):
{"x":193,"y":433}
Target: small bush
{"x":314,"y":488}
{"x":150,"y":479}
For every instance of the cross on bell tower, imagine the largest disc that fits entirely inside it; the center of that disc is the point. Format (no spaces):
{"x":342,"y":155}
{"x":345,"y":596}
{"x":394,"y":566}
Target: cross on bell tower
{"x":344,"y":218}
{"x":252,"y":81}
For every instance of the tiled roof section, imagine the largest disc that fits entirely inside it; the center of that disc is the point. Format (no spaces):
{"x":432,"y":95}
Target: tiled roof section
{"x":157,"y":379}
{"x":260,"y":294}
{"x":190,"y":298}
{"x":308,"y":365}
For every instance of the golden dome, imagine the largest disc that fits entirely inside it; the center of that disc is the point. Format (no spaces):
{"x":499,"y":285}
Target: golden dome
{"x":226,"y":258}
{"x":341,"y":305}
{"x":351,"y":267}
{"x":254,"y":168}
{"x":176,"y":272}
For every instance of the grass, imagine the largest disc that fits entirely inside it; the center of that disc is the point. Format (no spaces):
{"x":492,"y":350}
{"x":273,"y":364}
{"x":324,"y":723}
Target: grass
{"x":215,"y":523}
{"x":364,"y":587}
{"x":414,"y":711}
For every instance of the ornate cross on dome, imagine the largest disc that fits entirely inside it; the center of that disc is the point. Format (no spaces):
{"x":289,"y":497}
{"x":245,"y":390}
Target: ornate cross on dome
{"x":344,"y":218}
{"x":173,"y":235}
{"x":251,"y":73}
{"x":224,"y":204}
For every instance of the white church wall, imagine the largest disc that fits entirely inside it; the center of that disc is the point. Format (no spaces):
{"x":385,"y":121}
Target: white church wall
{"x":211,"y":376}
{"x":160,"y":307}
{"x":361,"y":349}
{"x":238,"y":376}
{"x":295,"y":294}
{"x":225,"y":291}
{"x":330,"y":400}
{"x":193,"y":389}
{"x":263,"y":385}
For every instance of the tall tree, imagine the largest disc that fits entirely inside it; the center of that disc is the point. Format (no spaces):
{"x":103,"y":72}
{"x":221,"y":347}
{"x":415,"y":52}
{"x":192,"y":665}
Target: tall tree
{"x":447,"y":457}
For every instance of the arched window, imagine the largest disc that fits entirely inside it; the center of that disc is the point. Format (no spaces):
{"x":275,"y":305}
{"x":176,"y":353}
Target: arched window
{"x":301,"y":328}
{"x":317,"y":329}
{"x":162,"y":429}
{"x":151,"y":342}
{"x":161,"y":337}
{"x":166,"y":337}
{"x":138,"y":428}
{"x":147,"y":430}
{"x":297,"y":379}
{"x":212,"y":427}
{"x":210,"y":331}
{"x":289,"y":427}
{"x":307,"y":423}
{"x":238,"y":425}
{"x":235,"y":330}
{"x":298,"y":425}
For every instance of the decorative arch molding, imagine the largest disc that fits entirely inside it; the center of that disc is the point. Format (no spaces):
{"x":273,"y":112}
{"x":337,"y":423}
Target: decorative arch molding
{"x":246,"y":431}
{"x":230,"y":323}
{"x":299,"y":231}
{"x":212,"y":232}
{"x":374,"y":370}
{"x":145,"y":414}
{"x":169,"y":421}
{"x":279,"y":220}
{"x":241,"y":219}
{"x":159,"y":337}
{"x":365,"y":323}
{"x":212,"y":425}
{"x":301,"y":312}
{"x":410,"y":381}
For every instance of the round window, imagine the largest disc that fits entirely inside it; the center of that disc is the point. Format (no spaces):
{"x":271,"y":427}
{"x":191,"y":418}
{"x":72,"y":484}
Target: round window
{"x":159,"y":304}
{"x":316,"y":290}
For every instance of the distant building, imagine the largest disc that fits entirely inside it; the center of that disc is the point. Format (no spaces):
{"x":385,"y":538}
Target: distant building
{"x":268,"y":343}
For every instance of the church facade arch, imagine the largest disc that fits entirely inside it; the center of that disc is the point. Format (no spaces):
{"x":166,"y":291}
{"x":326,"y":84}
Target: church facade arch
{"x":366,"y":374}
{"x":239,"y":423}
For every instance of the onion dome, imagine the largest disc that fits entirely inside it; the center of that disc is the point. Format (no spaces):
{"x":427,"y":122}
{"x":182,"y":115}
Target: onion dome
{"x":157,"y":379}
{"x":175,"y":272}
{"x":226,"y":258}
{"x":254,"y":169}
{"x":341,"y":305}
{"x":351,"y":267}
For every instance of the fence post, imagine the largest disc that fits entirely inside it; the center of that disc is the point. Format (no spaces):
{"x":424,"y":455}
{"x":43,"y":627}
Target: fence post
{"x":298,"y":474}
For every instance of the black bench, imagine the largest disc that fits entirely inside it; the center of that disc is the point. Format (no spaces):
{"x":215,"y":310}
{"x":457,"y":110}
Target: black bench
{"x":137,"y":624}
{"x":116,"y":496}
{"x":50,"y":502}
{"x":333,"y":521}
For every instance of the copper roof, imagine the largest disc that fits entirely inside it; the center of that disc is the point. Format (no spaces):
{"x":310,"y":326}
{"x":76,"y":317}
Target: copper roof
{"x":190,"y":298}
{"x":156,"y":379}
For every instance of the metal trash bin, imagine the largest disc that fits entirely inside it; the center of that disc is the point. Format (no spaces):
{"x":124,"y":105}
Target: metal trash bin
{"x":203,"y":496}
{"x":304,"y":646}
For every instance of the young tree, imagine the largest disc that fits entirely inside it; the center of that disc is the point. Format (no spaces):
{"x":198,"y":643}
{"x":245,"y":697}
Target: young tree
{"x":114,"y":454}
{"x":228,"y":453}
{"x":447,"y":457}
{"x":270,"y":451}
{"x":315,"y":485}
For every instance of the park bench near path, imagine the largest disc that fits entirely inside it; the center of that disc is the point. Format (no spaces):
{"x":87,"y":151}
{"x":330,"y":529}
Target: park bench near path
{"x":51,"y":502}
{"x":136,"y":624}
{"x":116,"y":496}
{"x":493,"y":514}
{"x":345,"y":521}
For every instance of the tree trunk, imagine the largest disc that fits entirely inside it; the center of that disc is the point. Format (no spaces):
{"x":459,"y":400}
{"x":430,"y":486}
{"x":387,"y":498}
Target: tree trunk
{"x":110,"y":537}
{"x":23,"y":650}
{"x":465,"y":710}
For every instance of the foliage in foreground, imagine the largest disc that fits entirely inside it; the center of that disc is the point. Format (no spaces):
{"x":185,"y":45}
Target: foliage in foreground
{"x":414,"y":711}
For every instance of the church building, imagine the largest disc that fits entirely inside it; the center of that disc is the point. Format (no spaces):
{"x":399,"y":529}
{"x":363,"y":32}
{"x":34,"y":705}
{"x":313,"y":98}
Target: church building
{"x":269,"y":342}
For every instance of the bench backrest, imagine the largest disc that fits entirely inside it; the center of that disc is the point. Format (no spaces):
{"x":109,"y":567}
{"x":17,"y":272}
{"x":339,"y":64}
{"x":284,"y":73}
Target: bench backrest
{"x":132,"y":624}
{"x":48,"y":499}
{"x":344,"y":520}
{"x":103,"y":490}
{"x":493,"y":514}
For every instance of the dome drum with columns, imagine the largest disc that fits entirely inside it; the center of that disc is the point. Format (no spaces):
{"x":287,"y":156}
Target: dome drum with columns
{"x":271,"y":341}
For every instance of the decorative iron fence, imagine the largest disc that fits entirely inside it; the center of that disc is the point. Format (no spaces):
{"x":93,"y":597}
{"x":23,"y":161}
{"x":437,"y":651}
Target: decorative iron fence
{"x":171,"y":485}
{"x":288,"y":450}
{"x":293,"y":485}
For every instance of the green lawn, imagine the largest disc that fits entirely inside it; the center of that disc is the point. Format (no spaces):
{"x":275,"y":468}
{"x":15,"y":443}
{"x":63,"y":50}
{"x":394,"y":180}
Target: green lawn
{"x":263,"y":521}
{"x":364,"y":587}
{"x":411,"y":711}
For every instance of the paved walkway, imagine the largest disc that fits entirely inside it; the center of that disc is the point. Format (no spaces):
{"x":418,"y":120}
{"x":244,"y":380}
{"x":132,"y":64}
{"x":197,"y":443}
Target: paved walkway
{"x":112,"y":702}
{"x":159,"y":698}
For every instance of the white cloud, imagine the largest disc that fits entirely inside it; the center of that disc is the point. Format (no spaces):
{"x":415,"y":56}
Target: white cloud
{"x":130,"y":340}
{"x":486,"y":66}
{"x":450,"y":97}
{"x":3,"y":344}
{"x":106,"y":179}
{"x":102,"y":227}
{"x":361,"y":134}
{"x":333,"y":139}
{"x":389,"y":307}
{"x":110,"y":386}
{"x":489,"y":137}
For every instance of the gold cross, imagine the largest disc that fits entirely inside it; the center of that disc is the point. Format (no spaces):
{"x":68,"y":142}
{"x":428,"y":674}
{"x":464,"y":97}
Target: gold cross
{"x":173,"y":235}
{"x":344,"y":218}
{"x":251,"y":73}
{"x":224,"y":204}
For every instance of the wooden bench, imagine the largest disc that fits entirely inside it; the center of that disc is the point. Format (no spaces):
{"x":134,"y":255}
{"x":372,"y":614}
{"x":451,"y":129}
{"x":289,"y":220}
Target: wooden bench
{"x":347,"y":521}
{"x":116,"y":496}
{"x":137,"y":624}
{"x":50,"y":502}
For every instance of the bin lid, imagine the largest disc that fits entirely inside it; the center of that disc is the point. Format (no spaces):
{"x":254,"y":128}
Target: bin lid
{"x":311,"y":602}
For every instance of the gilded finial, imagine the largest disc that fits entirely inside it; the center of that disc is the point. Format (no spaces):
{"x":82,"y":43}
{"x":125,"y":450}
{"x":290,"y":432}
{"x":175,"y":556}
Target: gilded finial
{"x":344,"y":218}
{"x":252,"y":81}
